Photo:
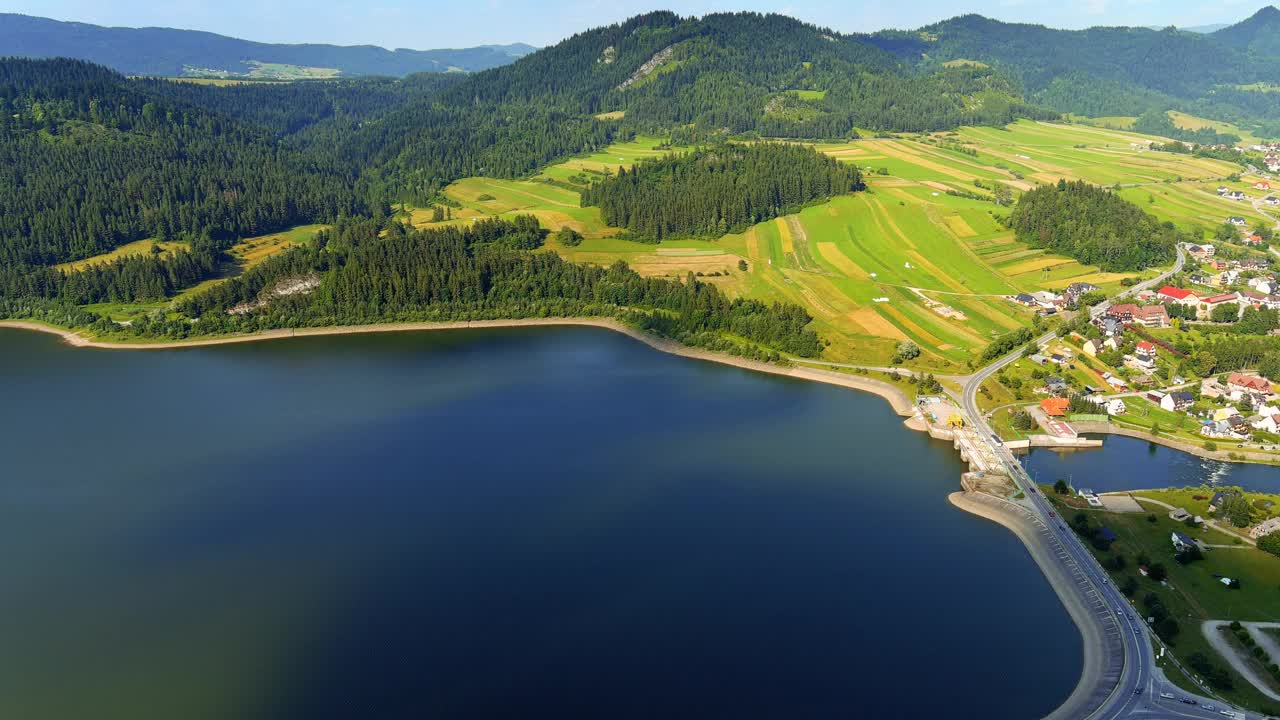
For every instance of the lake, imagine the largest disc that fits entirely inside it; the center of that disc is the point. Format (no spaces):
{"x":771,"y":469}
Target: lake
{"x":534,"y":522}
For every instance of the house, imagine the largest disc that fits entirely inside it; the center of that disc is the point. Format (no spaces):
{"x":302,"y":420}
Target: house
{"x":1179,"y":514}
{"x":1056,"y":385}
{"x":1228,"y":277}
{"x":1046,"y":299}
{"x":1271,"y":200}
{"x":1221,"y":498}
{"x":1141,"y":363}
{"x":1122,"y":312}
{"x":1115,"y":406}
{"x":1112,"y":328}
{"x":1178,"y":296}
{"x":1182,"y":543}
{"x":1208,"y":304}
{"x":1024,"y":299}
{"x":1076,"y":289}
{"x":1202,"y":252}
{"x":1265,"y":528}
{"x":1199,"y":279}
{"x":1055,"y":407}
{"x":1236,"y":425}
{"x":1239,"y":382}
{"x":1223,"y":414}
{"x":1211,"y":388}
{"x":1038,"y":359}
{"x":1252,"y":240}
{"x":1222,"y":189}
{"x":1091,"y":347}
{"x":1262,"y":185}
{"x":1264,"y":285}
{"x":1058,"y":359}
{"x":1237,"y":221}
{"x":1146,"y":347}
{"x":1234,"y":195}
{"x":1266,"y":422}
{"x":1177,"y":401}
{"x":1111,"y":343}
{"x":1152,"y":316}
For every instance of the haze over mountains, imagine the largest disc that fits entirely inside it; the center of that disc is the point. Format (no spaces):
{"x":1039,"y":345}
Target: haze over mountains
{"x":173,"y":53}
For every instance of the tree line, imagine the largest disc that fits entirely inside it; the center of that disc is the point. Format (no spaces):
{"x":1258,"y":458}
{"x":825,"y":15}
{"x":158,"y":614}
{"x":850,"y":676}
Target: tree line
{"x":719,"y":189}
{"x":364,"y":271}
{"x":1093,"y":225}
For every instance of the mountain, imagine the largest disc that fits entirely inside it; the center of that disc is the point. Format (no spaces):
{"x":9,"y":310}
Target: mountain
{"x":172,"y":53}
{"x":720,"y":74}
{"x":1260,"y":34}
{"x":1202,"y":29}
{"x":1115,"y":70}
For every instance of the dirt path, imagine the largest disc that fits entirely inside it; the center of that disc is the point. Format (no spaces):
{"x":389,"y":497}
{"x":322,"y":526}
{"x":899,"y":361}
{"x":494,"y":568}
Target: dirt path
{"x":1212,"y":633}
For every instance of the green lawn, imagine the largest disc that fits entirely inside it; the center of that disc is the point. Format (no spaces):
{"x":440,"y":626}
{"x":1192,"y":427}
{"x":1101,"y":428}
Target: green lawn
{"x":1191,"y":592}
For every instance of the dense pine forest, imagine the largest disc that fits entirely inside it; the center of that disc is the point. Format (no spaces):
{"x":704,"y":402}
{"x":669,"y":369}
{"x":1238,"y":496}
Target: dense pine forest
{"x":91,"y":161}
{"x":1108,"y":71}
{"x":720,"y":189}
{"x":1094,"y":226}
{"x":364,"y":272}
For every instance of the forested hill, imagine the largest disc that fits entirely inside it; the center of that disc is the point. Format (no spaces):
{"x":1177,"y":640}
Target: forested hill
{"x":1106,"y":71}
{"x":741,"y":73}
{"x":1094,"y":226}
{"x":169,"y":52}
{"x":717,"y":190}
{"x":90,"y":161}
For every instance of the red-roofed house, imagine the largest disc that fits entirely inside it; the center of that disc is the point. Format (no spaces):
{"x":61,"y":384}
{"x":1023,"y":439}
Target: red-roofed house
{"x":1055,"y":407}
{"x":1172,"y":294}
{"x":1144,"y":315}
{"x":1239,"y":382}
{"x":1146,"y":348}
{"x":1255,"y":239}
{"x":1208,"y":304}
{"x":1262,"y":185}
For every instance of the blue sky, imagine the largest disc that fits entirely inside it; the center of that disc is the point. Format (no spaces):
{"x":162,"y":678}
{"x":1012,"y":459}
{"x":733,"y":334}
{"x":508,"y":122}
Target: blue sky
{"x":425,"y":24}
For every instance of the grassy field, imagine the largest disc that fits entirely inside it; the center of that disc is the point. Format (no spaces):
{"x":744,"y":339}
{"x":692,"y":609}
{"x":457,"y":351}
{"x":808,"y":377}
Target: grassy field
{"x":1192,"y":593}
{"x":904,"y":260}
{"x":138,"y":247}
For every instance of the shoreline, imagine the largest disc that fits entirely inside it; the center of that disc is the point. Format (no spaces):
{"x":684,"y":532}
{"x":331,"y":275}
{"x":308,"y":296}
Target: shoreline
{"x":1091,"y":674}
{"x":1242,"y":456}
{"x":896,"y":397}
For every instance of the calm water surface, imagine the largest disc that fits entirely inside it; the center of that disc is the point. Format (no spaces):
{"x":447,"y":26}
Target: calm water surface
{"x":1131,"y":464}
{"x":540,"y":523}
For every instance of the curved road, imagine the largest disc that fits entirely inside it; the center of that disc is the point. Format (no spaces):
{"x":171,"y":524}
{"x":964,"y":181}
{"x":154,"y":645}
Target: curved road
{"x":1127,"y":682}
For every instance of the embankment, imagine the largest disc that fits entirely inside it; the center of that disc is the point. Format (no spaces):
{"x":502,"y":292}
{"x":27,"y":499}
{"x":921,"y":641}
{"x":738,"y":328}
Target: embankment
{"x":1233,"y":455}
{"x":896,"y":398}
{"x":1025,"y":529}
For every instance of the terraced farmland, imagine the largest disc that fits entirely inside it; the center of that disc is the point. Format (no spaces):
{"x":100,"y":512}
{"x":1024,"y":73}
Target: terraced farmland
{"x":905,"y":259}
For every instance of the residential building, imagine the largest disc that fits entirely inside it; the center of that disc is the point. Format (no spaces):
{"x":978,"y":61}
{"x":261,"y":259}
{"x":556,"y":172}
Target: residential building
{"x":1262,"y":185}
{"x":1252,"y":240}
{"x":1181,"y":542}
{"x":1024,"y":299}
{"x":1208,"y":304}
{"x":1091,"y":347}
{"x":1055,"y":407}
{"x":1179,"y":296}
{"x":1266,"y":422}
{"x":1271,"y":200}
{"x":1152,"y":316}
{"x":1056,"y":385}
{"x":1200,"y":279}
{"x":1221,"y":498}
{"x":1177,"y":401}
{"x":1115,"y":406}
{"x":1239,"y":382}
{"x":1237,"y":221}
{"x":1226,"y":413}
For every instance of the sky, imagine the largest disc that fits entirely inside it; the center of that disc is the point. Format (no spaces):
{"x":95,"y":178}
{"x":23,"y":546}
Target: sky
{"x":425,"y":24}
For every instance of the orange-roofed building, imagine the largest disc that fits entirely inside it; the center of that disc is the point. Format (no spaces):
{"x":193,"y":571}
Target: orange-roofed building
{"x":1055,"y":407}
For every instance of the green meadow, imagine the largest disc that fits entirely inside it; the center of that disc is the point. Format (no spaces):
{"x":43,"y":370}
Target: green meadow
{"x":904,"y":260}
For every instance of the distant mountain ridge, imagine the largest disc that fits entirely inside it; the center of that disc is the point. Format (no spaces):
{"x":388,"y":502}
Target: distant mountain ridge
{"x":172,"y":53}
{"x":1116,"y":71}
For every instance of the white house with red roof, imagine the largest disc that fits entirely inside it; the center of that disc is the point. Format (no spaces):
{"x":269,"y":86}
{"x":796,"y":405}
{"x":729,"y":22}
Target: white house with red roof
{"x":1208,"y":304}
{"x":1262,"y":185}
{"x":1239,"y":382}
{"x":1178,"y":296}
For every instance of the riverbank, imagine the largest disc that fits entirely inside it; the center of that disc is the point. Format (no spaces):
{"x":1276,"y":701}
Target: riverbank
{"x":1004,"y":513}
{"x":896,"y":397}
{"x":1238,"y":456}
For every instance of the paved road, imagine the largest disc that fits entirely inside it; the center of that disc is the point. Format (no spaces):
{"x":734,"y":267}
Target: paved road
{"x":1127,"y":683}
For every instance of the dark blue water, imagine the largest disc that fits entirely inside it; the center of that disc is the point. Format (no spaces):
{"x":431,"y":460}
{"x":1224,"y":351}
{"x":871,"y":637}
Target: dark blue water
{"x":1126,"y":463}
{"x":552,"y":523}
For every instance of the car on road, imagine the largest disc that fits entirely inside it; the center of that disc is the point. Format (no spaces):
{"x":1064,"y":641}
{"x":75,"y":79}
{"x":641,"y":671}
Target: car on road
{"x":1189,"y":701}
{"x":1210,"y":708}
{"x":996,"y":439}
{"x":1137,"y":691}
{"x":1167,"y":696}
